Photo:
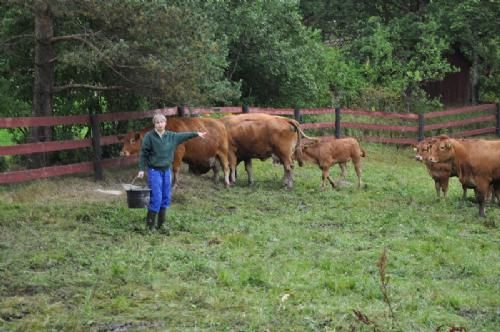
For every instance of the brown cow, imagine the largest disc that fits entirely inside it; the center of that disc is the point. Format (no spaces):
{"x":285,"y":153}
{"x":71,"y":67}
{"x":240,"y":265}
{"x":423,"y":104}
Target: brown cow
{"x":201,"y":154}
{"x":328,"y":151}
{"x":440,"y":172}
{"x":477,"y":164}
{"x":258,"y":135}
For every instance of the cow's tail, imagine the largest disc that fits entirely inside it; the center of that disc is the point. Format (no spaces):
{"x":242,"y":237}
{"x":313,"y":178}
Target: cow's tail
{"x":296,"y":124}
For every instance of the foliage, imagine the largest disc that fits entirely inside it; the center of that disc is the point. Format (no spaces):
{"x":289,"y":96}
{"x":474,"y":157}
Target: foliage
{"x":400,"y":45}
{"x":128,"y":55}
{"x":251,"y":259}
{"x":279,"y":62}
{"x":472,"y":27}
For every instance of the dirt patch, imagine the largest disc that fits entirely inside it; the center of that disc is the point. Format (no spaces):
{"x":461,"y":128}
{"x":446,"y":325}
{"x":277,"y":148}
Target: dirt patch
{"x":128,"y":326}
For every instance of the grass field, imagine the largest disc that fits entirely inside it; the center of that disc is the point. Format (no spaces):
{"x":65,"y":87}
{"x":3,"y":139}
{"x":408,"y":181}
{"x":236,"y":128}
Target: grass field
{"x":252,"y":259}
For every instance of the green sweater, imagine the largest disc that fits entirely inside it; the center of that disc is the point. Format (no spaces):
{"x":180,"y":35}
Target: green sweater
{"x":158,"y":152}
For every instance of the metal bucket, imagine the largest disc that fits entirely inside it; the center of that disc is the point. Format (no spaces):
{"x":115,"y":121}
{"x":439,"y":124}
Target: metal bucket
{"x":137,"y":196}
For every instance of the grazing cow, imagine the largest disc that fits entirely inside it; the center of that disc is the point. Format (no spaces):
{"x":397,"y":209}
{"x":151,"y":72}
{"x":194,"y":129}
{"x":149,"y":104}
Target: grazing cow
{"x":258,"y":135}
{"x":328,"y":151}
{"x":200,"y":154}
{"x":477,"y":164}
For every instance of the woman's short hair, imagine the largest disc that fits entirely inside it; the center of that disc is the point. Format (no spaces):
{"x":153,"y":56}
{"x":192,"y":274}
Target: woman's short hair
{"x":159,"y":117}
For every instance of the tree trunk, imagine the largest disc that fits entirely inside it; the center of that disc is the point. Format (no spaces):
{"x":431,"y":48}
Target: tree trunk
{"x":474,"y":77}
{"x":43,"y":75}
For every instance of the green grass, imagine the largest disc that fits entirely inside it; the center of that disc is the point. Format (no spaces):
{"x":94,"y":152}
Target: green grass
{"x":251,"y":259}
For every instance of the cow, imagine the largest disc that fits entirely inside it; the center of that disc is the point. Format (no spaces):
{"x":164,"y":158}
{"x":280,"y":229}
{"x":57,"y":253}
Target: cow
{"x":258,"y":135}
{"x":439,"y":172}
{"x":200,"y":154}
{"x":328,"y":151}
{"x":477,"y":164}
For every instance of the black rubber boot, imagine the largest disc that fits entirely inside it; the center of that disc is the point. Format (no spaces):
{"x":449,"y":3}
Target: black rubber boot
{"x":161,"y":221}
{"x":150,"y":220}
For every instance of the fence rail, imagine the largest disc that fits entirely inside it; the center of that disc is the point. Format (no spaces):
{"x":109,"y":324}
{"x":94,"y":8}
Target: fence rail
{"x":413,"y":129}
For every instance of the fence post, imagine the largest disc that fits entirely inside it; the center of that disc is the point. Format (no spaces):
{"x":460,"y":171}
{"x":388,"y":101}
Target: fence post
{"x":181,"y":111}
{"x":296,"y":114}
{"x":497,"y":129}
{"x":421,"y":124}
{"x":337,"y":122}
{"x":244,"y":109}
{"x":96,"y":145}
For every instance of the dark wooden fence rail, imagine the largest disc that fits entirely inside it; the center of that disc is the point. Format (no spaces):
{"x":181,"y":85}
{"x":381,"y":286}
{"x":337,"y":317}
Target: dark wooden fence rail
{"x":414,"y":129}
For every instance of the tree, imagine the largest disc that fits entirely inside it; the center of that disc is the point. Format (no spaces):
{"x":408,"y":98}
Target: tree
{"x":278,"y":61}
{"x":165,"y":52}
{"x":399,"y":45}
{"x":472,"y":27}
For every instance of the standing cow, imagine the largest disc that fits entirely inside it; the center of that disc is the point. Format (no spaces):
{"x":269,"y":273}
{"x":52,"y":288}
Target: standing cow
{"x":439,"y":172}
{"x":258,"y":135}
{"x":328,"y":151}
{"x":201,"y":154}
{"x":477,"y":163}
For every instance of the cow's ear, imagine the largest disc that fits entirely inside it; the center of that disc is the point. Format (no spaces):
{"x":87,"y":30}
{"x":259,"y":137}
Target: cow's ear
{"x":137,"y":136}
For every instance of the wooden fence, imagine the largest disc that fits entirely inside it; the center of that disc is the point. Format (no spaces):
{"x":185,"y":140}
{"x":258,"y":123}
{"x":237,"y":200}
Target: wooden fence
{"x":408,"y":129}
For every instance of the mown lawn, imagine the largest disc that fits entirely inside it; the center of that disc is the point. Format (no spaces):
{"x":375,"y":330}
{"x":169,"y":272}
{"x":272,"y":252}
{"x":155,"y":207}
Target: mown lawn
{"x":252,"y":259}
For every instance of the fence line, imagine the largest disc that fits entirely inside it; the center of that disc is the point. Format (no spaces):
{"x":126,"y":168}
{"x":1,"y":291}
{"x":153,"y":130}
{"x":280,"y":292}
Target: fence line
{"x":415,"y":125}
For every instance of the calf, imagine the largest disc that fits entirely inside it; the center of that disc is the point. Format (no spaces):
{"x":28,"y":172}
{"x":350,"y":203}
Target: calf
{"x":328,"y":151}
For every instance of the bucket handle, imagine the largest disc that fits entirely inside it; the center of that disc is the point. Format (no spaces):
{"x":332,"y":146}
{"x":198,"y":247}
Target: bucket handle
{"x":137,"y":177}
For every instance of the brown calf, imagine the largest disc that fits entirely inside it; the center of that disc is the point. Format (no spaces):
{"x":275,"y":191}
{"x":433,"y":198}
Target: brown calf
{"x":328,"y":151}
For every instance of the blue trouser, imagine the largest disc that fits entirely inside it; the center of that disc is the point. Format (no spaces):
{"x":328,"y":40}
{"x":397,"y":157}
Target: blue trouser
{"x":159,"y":183}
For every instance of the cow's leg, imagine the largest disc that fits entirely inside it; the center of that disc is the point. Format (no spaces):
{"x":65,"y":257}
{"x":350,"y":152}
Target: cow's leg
{"x":357,"y":168}
{"x":437,"y":186}
{"x":326,"y":176}
{"x":224,"y":162}
{"x":285,"y":155}
{"x":444,"y":185}
{"x":176,"y":165}
{"x":215,"y":165}
{"x":233,"y":163}
{"x":288,"y":173}
{"x":175,"y":175}
{"x":343,"y":170}
{"x":496,"y":191}
{"x":464,"y":192}
{"x":248,"y":168}
{"x":481,"y":192}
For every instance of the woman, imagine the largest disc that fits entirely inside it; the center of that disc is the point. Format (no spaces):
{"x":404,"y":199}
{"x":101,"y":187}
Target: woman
{"x":156,"y":156}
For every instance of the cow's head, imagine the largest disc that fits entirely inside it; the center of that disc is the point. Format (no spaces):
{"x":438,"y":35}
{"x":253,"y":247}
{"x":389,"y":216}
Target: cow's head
{"x":131,"y":143}
{"x":423,"y":150}
{"x":305,"y":143}
{"x":442,"y":151}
